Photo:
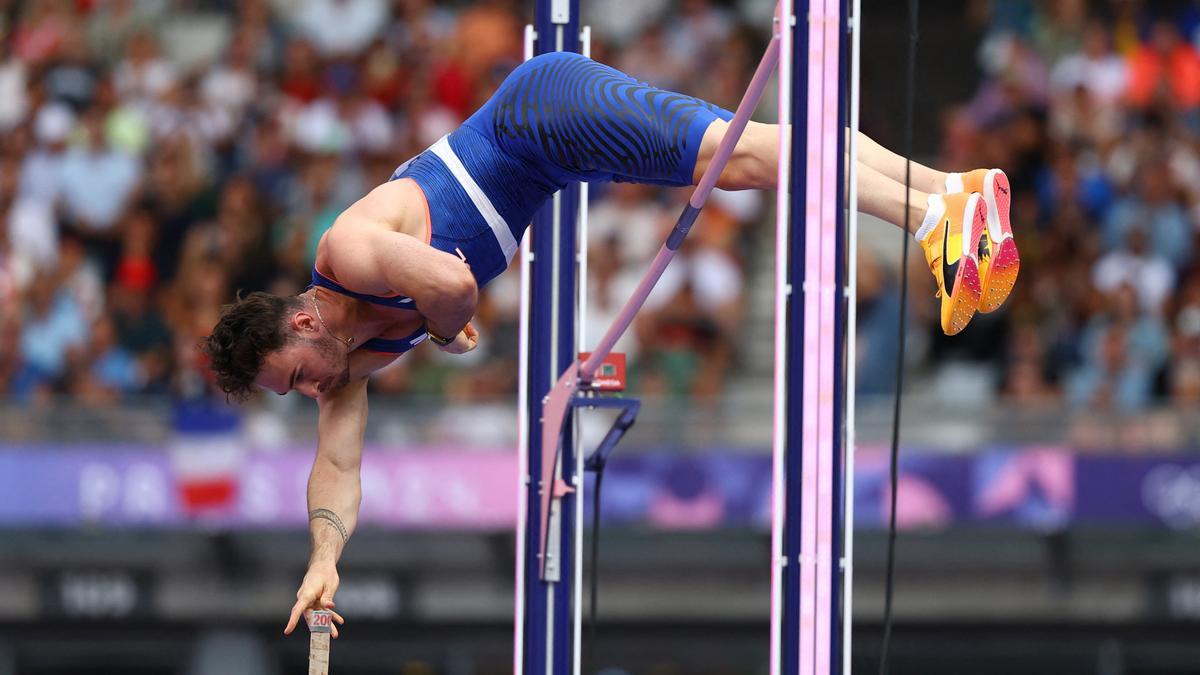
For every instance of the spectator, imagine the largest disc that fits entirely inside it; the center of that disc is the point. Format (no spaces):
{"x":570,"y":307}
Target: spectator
{"x":1028,"y":383}
{"x":98,"y":183}
{"x":1095,"y":68}
{"x":14,"y":95}
{"x":648,"y":60}
{"x":141,"y":332}
{"x":383,"y":78}
{"x":341,"y":28}
{"x":698,"y":33}
{"x":1185,"y":365}
{"x":1059,"y":29}
{"x":126,"y":128}
{"x":178,"y":195}
{"x":143,"y":74}
{"x":691,"y":321}
{"x":878,"y":316}
{"x":607,"y":292}
{"x":134,"y":267}
{"x":232,"y":84}
{"x":113,"y":24}
{"x":1155,"y":206}
{"x":73,"y":77}
{"x":32,"y":231}
{"x":1123,"y":353}
{"x":238,"y":238}
{"x":111,"y":370}
{"x":81,"y":276}
{"x":1165,"y":70}
{"x":53,"y":325}
{"x":631,"y":220}
{"x":1151,"y":277}
{"x":41,"y":172}
{"x":42,"y":30}
{"x":258,"y":29}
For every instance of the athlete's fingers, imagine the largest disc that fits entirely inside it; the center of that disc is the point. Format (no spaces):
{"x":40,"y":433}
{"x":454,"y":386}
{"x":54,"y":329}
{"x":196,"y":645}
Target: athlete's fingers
{"x":304,"y":600}
{"x":470,"y":330}
{"x":297,"y":612}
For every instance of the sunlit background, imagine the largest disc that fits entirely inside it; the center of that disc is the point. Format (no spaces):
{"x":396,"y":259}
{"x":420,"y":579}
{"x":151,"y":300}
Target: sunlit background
{"x":157,"y":156}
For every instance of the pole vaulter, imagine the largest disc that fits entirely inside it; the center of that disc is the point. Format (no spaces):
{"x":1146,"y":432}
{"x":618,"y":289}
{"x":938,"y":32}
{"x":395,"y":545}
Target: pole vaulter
{"x":404,"y":265}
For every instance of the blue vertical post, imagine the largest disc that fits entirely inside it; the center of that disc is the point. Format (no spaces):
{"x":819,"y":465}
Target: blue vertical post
{"x":794,"y":392}
{"x":546,"y":635}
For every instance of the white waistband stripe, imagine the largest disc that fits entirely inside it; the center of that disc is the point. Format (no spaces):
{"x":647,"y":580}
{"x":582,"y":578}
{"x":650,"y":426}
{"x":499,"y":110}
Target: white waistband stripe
{"x":500,"y":228}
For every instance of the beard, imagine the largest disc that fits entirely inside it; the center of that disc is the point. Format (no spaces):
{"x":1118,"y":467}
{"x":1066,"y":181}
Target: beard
{"x":337,"y":359}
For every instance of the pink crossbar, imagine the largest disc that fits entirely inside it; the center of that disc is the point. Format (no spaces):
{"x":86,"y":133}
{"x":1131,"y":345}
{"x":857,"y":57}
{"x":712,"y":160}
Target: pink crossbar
{"x":555,"y":405}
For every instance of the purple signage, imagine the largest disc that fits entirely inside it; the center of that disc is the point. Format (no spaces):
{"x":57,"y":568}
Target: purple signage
{"x":143,"y":487}
{"x":1037,"y":488}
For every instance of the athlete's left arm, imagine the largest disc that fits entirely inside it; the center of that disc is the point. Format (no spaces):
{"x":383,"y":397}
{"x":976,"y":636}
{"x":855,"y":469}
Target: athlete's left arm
{"x":368,"y":256}
{"x":334,"y":494}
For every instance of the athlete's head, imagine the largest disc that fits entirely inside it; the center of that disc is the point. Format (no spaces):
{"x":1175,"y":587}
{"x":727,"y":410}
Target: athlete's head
{"x":277,"y":343}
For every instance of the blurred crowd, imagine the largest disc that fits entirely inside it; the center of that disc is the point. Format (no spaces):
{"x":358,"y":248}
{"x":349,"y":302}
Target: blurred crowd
{"x":159,"y":156}
{"x":1093,"y":109}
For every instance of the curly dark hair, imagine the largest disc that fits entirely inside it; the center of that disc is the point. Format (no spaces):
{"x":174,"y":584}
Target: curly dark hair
{"x":247,"y":331}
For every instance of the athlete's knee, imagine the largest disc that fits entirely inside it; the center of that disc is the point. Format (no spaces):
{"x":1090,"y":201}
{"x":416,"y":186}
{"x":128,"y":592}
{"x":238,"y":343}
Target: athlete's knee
{"x":754,"y":164}
{"x":750,"y":174}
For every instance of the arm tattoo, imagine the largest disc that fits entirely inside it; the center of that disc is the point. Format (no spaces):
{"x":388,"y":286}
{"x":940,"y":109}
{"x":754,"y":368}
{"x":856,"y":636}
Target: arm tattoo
{"x":332,"y":517}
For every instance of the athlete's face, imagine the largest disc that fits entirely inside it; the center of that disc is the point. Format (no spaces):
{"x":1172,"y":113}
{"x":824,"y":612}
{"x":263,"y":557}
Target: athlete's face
{"x":312,"y":362}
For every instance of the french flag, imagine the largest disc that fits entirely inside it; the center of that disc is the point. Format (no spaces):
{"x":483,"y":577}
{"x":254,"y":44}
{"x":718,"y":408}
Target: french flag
{"x":206,"y":454}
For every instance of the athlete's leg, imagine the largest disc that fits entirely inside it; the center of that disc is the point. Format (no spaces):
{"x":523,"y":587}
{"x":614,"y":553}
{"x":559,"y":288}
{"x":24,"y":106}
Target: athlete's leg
{"x":754,"y":165}
{"x":884,"y":198}
{"x":999,"y":261}
{"x":754,"y":162}
{"x":578,"y":120}
{"x":892,"y":165}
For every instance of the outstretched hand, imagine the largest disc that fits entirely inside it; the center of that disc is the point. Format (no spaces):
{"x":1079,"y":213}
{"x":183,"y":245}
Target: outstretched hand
{"x":316,"y":592}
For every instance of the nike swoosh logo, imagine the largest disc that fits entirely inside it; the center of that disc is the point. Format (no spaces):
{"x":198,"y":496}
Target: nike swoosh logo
{"x":949,"y":272}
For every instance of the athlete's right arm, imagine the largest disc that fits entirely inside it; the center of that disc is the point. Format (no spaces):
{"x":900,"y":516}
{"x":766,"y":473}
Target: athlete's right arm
{"x":368,"y":256}
{"x":334,"y":494}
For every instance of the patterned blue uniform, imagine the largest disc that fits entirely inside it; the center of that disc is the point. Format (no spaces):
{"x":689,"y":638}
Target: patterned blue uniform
{"x":556,"y":119}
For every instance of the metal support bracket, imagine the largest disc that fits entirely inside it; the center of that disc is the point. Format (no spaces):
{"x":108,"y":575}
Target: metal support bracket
{"x":554,"y":489}
{"x":629,"y":408}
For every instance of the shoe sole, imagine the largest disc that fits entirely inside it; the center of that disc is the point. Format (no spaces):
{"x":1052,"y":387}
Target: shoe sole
{"x":1005,"y":262}
{"x":967,"y":284}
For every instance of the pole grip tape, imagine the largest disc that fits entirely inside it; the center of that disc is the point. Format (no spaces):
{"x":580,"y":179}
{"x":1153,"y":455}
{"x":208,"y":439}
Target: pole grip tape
{"x":682,"y":227}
